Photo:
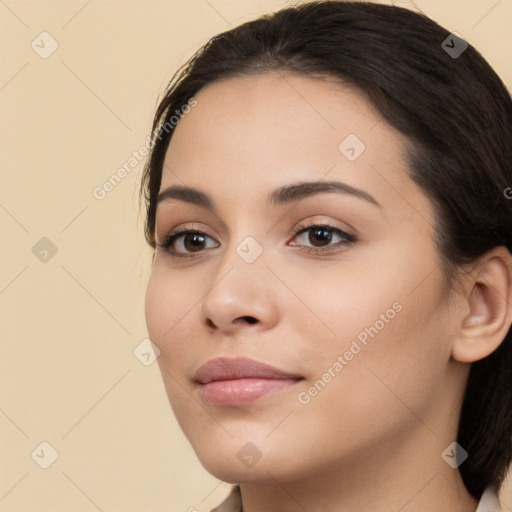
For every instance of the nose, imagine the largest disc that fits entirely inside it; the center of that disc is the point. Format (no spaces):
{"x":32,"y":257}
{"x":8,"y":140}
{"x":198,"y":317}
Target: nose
{"x":240,"y":296}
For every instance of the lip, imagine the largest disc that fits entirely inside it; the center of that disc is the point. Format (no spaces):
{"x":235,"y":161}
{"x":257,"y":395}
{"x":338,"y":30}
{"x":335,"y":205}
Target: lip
{"x":239,"y":381}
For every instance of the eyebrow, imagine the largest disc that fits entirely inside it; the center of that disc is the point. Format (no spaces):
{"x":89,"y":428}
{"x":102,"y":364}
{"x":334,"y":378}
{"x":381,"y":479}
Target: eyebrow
{"x":284,"y":195}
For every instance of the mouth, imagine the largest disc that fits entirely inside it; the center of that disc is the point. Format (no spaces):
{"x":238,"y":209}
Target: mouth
{"x":235,"y":382}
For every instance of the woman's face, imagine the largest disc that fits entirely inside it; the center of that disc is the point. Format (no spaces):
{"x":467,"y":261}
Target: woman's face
{"x":362,"y":330}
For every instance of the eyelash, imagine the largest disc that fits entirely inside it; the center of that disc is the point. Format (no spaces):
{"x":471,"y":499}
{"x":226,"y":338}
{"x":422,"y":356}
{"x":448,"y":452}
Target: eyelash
{"x":347,"y":241}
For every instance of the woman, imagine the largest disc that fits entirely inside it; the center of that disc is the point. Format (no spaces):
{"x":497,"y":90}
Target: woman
{"x":332,"y":279}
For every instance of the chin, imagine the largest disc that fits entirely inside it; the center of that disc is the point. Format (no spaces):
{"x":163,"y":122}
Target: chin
{"x":223,"y":467}
{"x":236,"y":460}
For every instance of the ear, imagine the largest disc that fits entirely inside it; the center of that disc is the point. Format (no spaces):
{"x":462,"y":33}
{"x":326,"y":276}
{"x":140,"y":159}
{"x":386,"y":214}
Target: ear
{"x":489,"y":297}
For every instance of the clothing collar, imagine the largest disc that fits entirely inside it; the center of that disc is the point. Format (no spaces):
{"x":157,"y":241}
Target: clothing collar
{"x":489,"y":501}
{"x":233,"y":503}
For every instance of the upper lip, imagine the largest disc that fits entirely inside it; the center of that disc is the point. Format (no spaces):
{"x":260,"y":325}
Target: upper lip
{"x":223,"y":368}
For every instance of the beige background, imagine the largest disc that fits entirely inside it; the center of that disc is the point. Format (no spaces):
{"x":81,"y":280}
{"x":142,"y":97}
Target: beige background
{"x":70,"y":324}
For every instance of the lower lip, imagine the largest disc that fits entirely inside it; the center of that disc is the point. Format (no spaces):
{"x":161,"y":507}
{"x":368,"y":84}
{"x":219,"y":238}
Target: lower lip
{"x":237,"y":392}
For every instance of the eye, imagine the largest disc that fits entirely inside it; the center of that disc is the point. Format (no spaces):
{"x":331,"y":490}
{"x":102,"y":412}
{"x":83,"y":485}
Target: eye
{"x":321,"y":236}
{"x":185,"y":243}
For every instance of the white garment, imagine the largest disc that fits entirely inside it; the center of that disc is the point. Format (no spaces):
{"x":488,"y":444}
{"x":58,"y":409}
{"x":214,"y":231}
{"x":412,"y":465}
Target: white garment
{"x":233,"y":503}
{"x":489,"y":501}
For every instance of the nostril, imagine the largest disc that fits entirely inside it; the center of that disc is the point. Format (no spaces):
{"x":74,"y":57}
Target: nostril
{"x":250,"y":319}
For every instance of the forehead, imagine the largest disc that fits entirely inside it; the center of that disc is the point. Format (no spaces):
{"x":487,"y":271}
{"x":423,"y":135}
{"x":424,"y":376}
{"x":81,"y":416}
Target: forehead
{"x":253,"y":133}
{"x":283,"y":105}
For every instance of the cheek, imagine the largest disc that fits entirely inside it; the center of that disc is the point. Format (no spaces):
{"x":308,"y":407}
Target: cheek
{"x":168,"y":298}
{"x":155,"y":308}
{"x":395,"y":369}
{"x":393,"y":350}
{"x":168,"y":304}
{"x":386,"y":319}
{"x":338,"y":306}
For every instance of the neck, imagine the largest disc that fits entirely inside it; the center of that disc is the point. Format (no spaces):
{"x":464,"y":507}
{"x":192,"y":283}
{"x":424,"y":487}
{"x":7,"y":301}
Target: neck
{"x":406,"y":475}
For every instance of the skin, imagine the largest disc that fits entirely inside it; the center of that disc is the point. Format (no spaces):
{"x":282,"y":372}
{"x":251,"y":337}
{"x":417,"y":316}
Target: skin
{"x":372,"y":438}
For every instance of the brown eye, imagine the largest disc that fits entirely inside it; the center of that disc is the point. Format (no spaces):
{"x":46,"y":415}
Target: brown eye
{"x":185,"y":243}
{"x":193,"y":241}
{"x":320,"y":237}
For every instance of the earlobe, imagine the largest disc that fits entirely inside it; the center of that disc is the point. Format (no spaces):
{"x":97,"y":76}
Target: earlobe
{"x":489,"y":299}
